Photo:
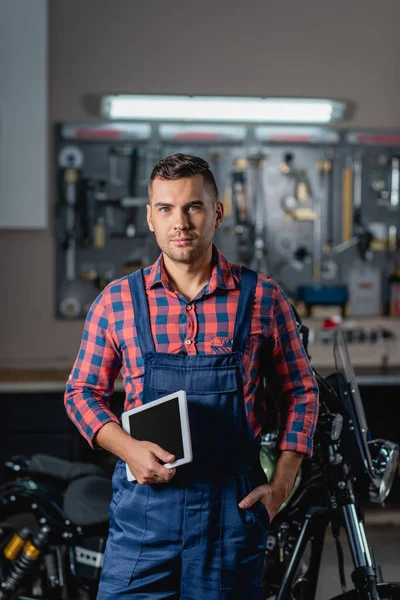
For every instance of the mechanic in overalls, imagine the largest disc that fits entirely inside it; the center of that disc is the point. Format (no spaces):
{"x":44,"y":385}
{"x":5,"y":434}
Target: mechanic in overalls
{"x":197,"y":532}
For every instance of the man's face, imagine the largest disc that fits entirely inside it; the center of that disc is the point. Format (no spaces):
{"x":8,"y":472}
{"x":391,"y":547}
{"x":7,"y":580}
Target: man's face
{"x":183,"y":216}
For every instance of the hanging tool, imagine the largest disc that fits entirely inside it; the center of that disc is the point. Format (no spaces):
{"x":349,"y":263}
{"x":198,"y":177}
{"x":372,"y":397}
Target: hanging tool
{"x":243,"y":227}
{"x":115,"y":197}
{"x":365,"y":236}
{"x":357,"y":171}
{"x":325,"y":170}
{"x":84,"y":200}
{"x":70,"y":156}
{"x":354,"y":231}
{"x":133,"y":201}
{"x":70,"y":161}
{"x":116,"y":183}
{"x":88,"y":272}
{"x":239,"y":191}
{"x":99,"y":233}
{"x":394,"y":182}
{"x":104,"y":276}
{"x":70,"y":307}
{"x":257,"y":161}
{"x":347,"y":202}
{"x":393,"y":241}
{"x":216,"y":167}
{"x":301,"y":192}
{"x":317,"y":242}
{"x":286,"y":165}
{"x":289,"y":201}
{"x":328,"y":267}
{"x":227,"y":201}
{"x":101,"y":195}
{"x":114,"y":180}
{"x":132,"y":184}
{"x":70,"y":181}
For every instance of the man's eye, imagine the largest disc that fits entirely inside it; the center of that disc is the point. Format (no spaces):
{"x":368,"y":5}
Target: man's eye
{"x":194,"y":207}
{"x":164,"y":209}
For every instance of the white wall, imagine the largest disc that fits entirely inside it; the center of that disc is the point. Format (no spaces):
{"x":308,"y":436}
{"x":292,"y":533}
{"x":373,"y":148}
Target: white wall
{"x":23,"y":114}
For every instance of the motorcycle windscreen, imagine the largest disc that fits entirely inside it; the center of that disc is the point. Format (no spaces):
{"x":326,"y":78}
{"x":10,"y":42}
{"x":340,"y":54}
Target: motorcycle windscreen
{"x":352,"y":400}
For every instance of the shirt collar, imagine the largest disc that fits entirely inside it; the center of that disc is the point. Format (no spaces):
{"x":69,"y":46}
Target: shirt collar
{"x":221,"y":275}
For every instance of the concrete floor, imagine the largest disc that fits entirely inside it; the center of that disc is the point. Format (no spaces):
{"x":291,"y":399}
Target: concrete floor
{"x":385,"y":542}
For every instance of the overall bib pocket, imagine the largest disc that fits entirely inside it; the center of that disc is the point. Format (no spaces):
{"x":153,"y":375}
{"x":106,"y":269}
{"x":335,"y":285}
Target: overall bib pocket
{"x":201,"y":381}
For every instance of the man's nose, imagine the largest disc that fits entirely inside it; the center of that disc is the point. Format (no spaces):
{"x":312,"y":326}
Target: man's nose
{"x":181,"y":220}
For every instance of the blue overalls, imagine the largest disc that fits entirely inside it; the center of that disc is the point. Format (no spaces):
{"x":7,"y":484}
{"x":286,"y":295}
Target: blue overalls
{"x":188,"y":538}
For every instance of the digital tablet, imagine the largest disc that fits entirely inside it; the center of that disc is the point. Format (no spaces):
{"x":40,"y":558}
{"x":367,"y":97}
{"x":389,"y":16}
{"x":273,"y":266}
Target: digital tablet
{"x":165,"y":422}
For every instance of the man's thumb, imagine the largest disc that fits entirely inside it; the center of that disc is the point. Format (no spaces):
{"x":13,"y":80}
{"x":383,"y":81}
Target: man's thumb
{"x":163,"y":455}
{"x":249,"y":500}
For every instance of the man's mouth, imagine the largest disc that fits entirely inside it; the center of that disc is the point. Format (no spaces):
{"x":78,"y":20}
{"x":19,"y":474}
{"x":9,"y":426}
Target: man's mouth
{"x":182,"y":241}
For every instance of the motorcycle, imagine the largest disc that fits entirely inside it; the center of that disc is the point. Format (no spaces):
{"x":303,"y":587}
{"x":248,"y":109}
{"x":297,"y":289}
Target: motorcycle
{"x":53,"y":529}
{"x":348,"y":468}
{"x":54,"y":514}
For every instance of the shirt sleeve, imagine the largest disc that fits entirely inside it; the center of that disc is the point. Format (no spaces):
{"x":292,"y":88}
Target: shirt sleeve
{"x":291,"y":380}
{"x":92,"y":378}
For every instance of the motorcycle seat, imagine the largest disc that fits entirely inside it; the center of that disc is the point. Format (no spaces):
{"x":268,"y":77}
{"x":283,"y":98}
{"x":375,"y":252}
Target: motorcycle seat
{"x":62,"y":469}
{"x":87,"y":500}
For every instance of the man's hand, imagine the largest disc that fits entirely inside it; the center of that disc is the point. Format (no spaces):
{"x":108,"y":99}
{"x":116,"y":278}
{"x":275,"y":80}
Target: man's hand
{"x":269,"y":495}
{"x":142,"y":458}
{"x":144,"y":463}
{"x":274,"y":494}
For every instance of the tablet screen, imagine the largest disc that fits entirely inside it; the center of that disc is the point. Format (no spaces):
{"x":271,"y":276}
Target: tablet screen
{"x":160,"y":424}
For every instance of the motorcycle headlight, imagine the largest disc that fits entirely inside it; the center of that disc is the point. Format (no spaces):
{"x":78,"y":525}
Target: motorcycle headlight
{"x":385,"y":458}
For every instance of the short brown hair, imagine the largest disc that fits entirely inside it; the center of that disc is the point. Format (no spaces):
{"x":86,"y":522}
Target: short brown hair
{"x":177,"y":166}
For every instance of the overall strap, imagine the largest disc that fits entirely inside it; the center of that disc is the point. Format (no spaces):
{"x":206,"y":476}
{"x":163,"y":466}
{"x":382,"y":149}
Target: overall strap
{"x":244,"y":311}
{"x":141,"y":312}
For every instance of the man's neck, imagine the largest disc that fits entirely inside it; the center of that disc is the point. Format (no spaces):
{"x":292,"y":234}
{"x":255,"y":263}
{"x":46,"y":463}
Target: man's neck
{"x":189,"y":279}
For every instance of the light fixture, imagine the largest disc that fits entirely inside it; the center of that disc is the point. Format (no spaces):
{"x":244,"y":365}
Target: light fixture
{"x":296,"y":134}
{"x":385,"y":458}
{"x":222,"y":109}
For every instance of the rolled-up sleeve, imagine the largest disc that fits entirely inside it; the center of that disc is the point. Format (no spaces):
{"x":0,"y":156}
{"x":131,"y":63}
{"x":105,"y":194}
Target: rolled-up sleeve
{"x":92,"y":378}
{"x":291,"y":380}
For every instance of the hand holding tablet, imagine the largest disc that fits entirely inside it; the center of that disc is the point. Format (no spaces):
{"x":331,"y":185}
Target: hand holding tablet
{"x":164,"y":424}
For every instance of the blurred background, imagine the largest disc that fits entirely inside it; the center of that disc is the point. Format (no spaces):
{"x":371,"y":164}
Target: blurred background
{"x":311,"y":191}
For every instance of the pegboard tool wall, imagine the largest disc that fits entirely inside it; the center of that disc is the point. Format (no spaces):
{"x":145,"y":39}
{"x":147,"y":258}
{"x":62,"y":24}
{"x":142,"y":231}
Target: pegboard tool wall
{"x":295,"y":204}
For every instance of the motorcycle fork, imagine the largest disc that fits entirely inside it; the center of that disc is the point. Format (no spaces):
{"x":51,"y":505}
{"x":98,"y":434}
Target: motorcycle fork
{"x":308,"y":533}
{"x":363,"y":576}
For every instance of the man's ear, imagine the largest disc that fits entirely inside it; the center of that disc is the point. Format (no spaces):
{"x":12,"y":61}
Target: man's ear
{"x":219,"y":215}
{"x":150,"y":224}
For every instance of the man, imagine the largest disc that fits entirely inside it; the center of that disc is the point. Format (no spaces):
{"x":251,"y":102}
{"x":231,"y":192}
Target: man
{"x":199,"y":531}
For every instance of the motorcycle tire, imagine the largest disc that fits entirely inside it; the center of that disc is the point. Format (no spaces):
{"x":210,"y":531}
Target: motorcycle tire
{"x":386,"y":591}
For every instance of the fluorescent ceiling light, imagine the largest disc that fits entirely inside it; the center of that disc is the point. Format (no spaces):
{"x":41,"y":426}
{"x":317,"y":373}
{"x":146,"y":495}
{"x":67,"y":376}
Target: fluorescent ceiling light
{"x":221,"y":109}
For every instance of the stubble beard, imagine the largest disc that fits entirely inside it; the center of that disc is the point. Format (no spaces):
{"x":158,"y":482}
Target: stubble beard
{"x":188,"y":255}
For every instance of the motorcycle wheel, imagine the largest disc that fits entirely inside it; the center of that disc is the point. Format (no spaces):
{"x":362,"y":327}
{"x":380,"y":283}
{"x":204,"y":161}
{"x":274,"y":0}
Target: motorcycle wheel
{"x":386,"y":591}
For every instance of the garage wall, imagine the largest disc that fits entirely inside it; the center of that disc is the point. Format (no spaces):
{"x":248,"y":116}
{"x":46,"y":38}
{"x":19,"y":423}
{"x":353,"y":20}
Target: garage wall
{"x":340,"y":49}
{"x":23,"y":114}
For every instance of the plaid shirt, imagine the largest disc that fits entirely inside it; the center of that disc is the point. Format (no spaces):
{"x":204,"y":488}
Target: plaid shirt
{"x":274,"y":351}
